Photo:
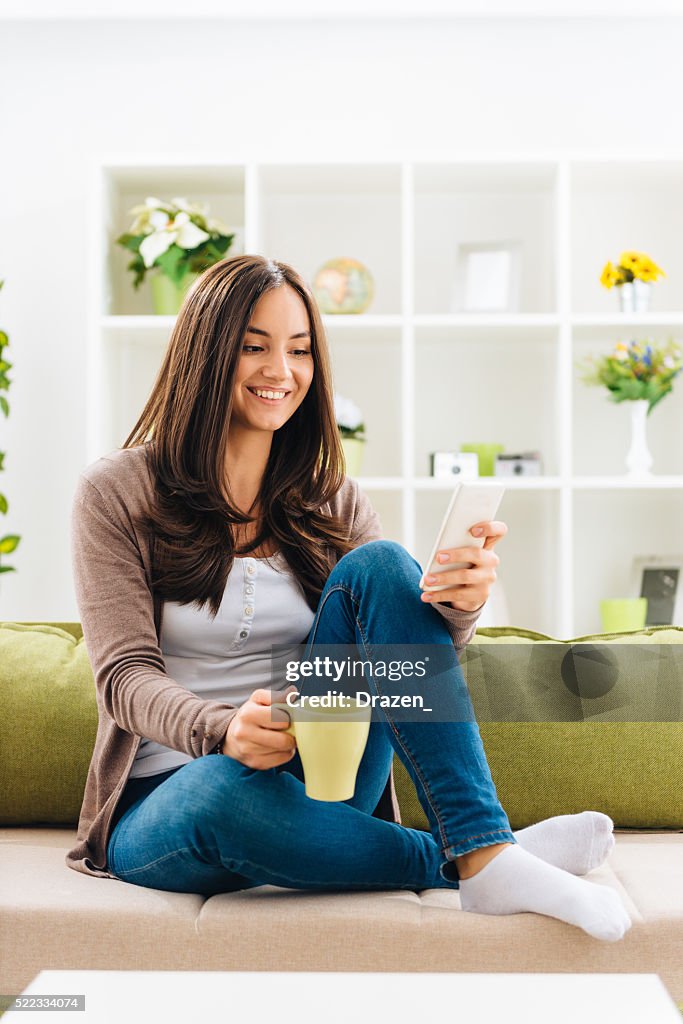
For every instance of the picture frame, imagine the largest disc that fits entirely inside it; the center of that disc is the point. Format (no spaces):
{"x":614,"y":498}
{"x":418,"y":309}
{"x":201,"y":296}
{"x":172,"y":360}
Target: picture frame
{"x":659,"y":578}
{"x":487,"y":277}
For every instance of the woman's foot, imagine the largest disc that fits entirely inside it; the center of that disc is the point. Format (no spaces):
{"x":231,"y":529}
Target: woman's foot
{"x":515,"y":881}
{"x":574,"y":842}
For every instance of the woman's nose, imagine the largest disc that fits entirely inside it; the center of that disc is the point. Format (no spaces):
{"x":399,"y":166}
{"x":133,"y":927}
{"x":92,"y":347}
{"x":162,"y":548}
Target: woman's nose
{"x":277,"y":368}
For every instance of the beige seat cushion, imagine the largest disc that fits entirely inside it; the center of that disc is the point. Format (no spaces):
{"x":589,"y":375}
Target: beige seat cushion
{"x":53,"y":917}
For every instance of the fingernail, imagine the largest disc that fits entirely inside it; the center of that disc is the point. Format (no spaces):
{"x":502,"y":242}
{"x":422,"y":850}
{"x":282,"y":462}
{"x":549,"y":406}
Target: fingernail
{"x":430,"y":579}
{"x":442,"y":557}
{"x":477,"y":531}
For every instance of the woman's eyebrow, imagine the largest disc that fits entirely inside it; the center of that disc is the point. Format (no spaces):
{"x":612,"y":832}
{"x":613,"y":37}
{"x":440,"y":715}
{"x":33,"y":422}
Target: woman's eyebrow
{"x":257,"y":330}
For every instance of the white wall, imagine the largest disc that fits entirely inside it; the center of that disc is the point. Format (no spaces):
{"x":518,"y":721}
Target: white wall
{"x":272,"y":90}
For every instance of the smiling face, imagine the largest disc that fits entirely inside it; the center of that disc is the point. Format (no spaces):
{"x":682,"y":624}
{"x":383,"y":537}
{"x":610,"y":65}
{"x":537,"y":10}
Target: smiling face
{"x":276,"y":365}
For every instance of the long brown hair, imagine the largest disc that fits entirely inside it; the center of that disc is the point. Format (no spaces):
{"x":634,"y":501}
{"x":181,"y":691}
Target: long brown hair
{"x":184,"y":428}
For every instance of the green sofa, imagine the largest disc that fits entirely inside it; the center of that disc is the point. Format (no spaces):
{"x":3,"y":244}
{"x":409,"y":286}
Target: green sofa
{"x":590,"y":723}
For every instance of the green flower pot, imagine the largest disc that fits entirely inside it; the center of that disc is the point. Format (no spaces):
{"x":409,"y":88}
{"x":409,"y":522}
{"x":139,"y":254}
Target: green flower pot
{"x":167,"y":296}
{"x":353,"y":454}
{"x":620,"y":615}
{"x":487,"y":456}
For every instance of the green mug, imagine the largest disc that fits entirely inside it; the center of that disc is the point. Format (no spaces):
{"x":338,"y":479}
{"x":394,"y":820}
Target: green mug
{"x":331,"y":742}
{"x":487,"y":456}
{"x":620,"y":614}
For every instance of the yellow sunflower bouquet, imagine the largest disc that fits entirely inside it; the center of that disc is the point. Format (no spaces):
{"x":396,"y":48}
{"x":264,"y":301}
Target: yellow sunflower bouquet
{"x":631,"y":266}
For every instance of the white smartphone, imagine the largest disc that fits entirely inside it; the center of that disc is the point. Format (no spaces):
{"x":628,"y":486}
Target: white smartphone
{"x":470,"y":503}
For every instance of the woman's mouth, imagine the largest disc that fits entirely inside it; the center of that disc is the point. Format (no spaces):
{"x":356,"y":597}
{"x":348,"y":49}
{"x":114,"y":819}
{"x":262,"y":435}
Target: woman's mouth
{"x":271,"y":396}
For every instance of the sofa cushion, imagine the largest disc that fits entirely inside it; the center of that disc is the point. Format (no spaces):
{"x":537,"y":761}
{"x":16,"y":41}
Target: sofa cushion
{"x":54,"y":918}
{"x":591,"y":723}
{"x":631,"y":770}
{"x":48,"y":722}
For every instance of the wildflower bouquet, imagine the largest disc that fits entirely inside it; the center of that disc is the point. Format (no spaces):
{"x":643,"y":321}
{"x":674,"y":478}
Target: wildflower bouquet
{"x":631,"y":265}
{"x":349,"y":418}
{"x":178,"y":237}
{"x":639,"y":370}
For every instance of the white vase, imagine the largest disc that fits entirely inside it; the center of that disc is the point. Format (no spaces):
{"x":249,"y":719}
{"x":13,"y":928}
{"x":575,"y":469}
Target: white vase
{"x":634,"y":296}
{"x":639,"y":460}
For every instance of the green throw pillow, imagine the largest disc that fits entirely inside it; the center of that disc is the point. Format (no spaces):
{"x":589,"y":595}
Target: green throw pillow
{"x":567,"y":728}
{"x":590,"y":759}
{"x":48,"y":722}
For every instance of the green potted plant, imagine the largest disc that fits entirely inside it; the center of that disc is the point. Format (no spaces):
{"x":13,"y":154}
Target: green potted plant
{"x":9,"y":542}
{"x":641,"y":373}
{"x":179,"y":240}
{"x":351,"y":427}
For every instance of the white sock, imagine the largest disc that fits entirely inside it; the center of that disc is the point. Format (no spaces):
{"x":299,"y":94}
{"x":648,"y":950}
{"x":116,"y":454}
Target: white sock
{"x":574,"y":842}
{"x":515,"y":881}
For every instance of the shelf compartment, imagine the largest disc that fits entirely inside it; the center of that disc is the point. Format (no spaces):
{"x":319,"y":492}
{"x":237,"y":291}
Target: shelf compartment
{"x":131,"y":361}
{"x":314,"y":213}
{"x":602,"y":428}
{"x":366,"y":367}
{"x":470,"y":203}
{"x":611,"y":528}
{"x":458,"y":399}
{"x":625,"y":205}
{"x":221,"y":187}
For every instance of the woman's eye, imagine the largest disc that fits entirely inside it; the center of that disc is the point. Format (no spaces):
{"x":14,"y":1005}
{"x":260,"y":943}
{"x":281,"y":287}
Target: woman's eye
{"x":258,"y":348}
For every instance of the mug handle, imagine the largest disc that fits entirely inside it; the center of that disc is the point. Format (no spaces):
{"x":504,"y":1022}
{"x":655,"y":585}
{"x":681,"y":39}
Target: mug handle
{"x":286,"y":708}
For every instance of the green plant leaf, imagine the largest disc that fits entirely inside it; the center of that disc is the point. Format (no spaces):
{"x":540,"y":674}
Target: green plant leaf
{"x":132,"y":242}
{"x":4,"y":405}
{"x":654,"y":401}
{"x":174,"y":263}
{"x":631,"y":390}
{"x":222,"y":243}
{"x":7,"y":568}
{"x":4,"y":340}
{"x":9,"y":543}
{"x":4,"y":504}
{"x":137,"y":265}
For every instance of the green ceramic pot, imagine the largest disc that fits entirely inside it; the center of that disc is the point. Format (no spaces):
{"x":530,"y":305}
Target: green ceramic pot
{"x":167,"y":297}
{"x":353,"y":454}
{"x":621,"y":614}
{"x":487,"y":456}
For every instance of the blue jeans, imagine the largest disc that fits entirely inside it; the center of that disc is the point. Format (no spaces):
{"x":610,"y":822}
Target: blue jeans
{"x":214,"y":825}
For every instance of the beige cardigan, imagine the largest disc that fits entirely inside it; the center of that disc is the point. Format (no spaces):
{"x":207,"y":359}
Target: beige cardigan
{"x":121,"y":621}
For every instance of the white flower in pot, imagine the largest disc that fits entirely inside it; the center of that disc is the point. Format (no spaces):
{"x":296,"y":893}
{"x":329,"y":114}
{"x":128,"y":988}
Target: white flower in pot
{"x":352,"y":429}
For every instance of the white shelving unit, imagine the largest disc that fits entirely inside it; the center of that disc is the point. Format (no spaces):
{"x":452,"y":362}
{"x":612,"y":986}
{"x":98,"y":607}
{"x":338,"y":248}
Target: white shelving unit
{"x":435,"y":377}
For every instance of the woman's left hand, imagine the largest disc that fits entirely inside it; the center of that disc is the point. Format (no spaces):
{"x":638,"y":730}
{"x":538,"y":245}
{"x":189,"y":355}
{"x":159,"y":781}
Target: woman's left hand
{"x":469,"y":588}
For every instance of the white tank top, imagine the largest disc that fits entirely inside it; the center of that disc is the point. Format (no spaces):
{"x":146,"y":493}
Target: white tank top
{"x":229,"y":657}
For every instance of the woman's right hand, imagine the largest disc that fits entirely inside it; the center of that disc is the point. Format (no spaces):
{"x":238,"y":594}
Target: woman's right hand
{"x":254,"y":737}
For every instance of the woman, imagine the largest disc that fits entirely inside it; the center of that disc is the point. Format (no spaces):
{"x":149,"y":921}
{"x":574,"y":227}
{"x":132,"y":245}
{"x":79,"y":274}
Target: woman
{"x":227,"y":510}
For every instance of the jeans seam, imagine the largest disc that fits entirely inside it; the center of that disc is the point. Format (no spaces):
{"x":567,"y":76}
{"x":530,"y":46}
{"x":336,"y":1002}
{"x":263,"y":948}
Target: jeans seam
{"x":418,"y":771}
{"x":159,"y":860}
{"x":482,"y":835}
{"x":257,"y":867}
{"x":332,"y":589}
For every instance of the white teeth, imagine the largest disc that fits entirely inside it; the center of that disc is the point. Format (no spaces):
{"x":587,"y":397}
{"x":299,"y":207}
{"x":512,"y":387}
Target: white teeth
{"x":269,"y":394}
